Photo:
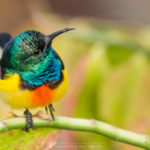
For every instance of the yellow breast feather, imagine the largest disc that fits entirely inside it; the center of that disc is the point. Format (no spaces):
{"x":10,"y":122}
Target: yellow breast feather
{"x":16,"y":97}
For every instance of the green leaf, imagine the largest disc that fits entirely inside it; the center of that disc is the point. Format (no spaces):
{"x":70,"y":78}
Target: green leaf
{"x":38,"y":139}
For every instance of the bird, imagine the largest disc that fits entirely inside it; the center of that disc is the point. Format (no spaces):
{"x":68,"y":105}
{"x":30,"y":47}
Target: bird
{"x":32,"y":73}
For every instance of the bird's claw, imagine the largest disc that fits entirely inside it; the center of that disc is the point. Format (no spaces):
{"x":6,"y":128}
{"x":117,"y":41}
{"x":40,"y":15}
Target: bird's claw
{"x":43,"y":116}
{"x":12,"y":115}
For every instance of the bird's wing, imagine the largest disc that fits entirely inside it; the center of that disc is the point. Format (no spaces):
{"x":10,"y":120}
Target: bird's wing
{"x":4,"y":39}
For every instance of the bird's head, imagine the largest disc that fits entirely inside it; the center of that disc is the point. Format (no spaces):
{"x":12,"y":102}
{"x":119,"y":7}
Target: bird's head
{"x":29,"y":50}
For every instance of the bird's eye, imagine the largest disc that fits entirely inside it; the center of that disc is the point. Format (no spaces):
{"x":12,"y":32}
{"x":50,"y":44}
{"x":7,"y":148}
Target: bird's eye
{"x":39,"y":48}
{"x":37,"y":52}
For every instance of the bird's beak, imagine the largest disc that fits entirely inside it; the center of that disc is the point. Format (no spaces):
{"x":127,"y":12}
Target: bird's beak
{"x":50,"y":37}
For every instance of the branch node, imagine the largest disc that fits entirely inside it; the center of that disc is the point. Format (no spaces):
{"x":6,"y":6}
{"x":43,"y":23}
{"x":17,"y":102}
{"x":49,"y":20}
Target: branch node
{"x":93,"y":121}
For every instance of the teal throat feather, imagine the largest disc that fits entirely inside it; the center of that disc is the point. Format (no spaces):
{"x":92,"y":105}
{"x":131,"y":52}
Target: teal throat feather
{"x":49,"y":71}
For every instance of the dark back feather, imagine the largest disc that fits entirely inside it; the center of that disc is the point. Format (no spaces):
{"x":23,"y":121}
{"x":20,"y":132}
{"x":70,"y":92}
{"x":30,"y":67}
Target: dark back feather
{"x":4,"y":38}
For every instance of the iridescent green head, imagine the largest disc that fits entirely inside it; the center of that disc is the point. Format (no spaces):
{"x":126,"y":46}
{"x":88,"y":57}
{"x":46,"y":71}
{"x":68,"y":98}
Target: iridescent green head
{"x":29,"y":50}
{"x":30,"y":54}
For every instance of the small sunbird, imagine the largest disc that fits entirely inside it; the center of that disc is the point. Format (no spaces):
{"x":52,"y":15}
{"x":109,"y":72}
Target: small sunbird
{"x":32,"y":73}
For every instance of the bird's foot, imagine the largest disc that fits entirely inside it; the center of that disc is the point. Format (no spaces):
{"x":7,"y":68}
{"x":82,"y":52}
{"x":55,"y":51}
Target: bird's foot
{"x":52,"y":107}
{"x":51,"y":110}
{"x":46,"y":109}
{"x":43,"y":116}
{"x":29,"y":121}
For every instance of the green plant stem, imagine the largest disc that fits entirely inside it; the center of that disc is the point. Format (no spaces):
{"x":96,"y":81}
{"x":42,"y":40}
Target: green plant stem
{"x":88,"y":125}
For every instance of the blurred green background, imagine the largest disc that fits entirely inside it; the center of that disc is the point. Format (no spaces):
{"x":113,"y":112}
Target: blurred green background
{"x":108,"y":61}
